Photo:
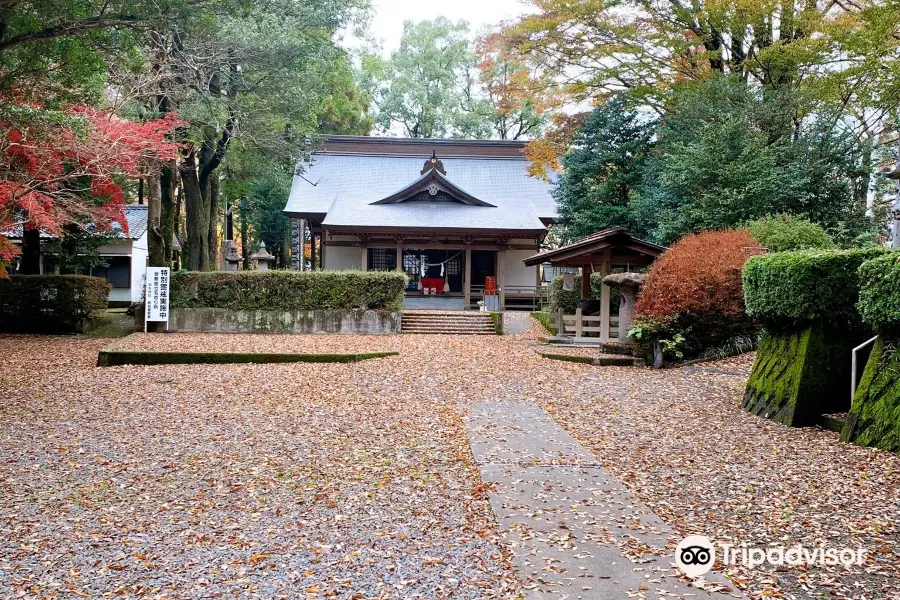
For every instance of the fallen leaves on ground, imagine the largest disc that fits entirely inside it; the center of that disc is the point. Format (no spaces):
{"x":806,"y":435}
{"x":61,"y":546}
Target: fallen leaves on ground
{"x":356,"y":481}
{"x":265,"y":343}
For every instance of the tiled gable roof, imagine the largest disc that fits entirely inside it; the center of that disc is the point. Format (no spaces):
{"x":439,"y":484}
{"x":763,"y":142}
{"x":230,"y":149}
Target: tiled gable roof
{"x":342,"y":188}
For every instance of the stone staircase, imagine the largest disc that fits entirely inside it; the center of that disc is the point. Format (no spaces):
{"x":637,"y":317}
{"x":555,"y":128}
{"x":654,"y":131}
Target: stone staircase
{"x":447,"y":322}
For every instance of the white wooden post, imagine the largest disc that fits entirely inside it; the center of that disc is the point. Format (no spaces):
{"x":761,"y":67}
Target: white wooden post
{"x":560,"y":323}
{"x":578,"y":324}
{"x":365,"y":259}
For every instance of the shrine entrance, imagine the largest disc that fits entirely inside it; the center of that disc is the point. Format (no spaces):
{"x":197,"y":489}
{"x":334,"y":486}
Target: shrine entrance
{"x":434,"y":272}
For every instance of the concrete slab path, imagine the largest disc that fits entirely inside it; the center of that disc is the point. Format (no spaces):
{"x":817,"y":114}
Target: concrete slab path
{"x":575,"y":531}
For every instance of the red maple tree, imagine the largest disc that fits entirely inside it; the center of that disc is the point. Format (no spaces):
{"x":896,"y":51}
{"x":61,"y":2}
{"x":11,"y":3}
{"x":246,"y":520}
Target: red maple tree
{"x":54,"y":175}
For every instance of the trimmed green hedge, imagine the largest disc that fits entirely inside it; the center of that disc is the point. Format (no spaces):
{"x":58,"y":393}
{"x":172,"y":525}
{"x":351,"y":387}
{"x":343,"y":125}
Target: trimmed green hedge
{"x":879,"y":294}
{"x":289,"y":290}
{"x":874,"y":418}
{"x":50,"y":303}
{"x":789,"y":289}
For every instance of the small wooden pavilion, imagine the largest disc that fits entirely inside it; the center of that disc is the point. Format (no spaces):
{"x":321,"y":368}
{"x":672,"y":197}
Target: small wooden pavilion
{"x":604,"y":252}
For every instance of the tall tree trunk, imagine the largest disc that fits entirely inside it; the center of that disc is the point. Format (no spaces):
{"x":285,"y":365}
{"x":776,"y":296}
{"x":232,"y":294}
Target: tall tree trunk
{"x":179,"y":229}
{"x":285,"y":249}
{"x":213,"y":234}
{"x":155,"y":239}
{"x":31,"y":251}
{"x":193,"y":204}
{"x":245,"y":239}
{"x":167,"y":191}
{"x":206,"y":156}
{"x":203,"y":224}
{"x":140,"y":190}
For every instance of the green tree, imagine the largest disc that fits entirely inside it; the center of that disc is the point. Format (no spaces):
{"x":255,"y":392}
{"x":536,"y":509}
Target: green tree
{"x":271,"y":75}
{"x":427,"y":86}
{"x":727,"y":154}
{"x":603,"y":168}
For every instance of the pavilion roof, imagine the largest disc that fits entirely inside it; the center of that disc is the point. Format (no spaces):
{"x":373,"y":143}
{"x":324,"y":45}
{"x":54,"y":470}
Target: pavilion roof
{"x":626,"y":249}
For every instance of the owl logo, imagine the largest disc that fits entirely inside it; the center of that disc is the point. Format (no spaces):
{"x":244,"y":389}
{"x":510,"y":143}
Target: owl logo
{"x":695,"y":555}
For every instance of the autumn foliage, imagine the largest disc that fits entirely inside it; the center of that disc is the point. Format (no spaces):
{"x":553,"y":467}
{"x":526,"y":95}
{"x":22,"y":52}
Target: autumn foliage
{"x":700,"y":274}
{"x":51,"y":175}
{"x":692,"y":295}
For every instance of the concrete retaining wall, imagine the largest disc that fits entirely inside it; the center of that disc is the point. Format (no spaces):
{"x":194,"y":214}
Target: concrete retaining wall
{"x":220,"y":320}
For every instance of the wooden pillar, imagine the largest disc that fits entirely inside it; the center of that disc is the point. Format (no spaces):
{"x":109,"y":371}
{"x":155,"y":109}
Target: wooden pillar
{"x":302,"y":244}
{"x":322,"y":249}
{"x":579,"y":332}
{"x":501,"y":279}
{"x":605,"y":269}
{"x":586,"y":281}
{"x":467,"y":278}
{"x":312,"y":252}
{"x":399,"y":256}
{"x":365,"y":259}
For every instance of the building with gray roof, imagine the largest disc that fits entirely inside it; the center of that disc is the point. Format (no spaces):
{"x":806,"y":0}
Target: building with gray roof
{"x":455,"y":215}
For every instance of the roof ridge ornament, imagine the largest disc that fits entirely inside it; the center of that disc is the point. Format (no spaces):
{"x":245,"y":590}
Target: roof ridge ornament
{"x":433,"y":164}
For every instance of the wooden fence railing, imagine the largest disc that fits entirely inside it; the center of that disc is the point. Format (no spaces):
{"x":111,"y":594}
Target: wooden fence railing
{"x":579,"y":324}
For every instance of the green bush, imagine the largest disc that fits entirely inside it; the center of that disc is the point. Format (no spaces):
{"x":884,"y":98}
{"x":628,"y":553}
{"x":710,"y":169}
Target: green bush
{"x":568,"y":301}
{"x":782,"y":233}
{"x":788,"y":289}
{"x":50,"y":303}
{"x":289,"y":290}
{"x":879,"y":294}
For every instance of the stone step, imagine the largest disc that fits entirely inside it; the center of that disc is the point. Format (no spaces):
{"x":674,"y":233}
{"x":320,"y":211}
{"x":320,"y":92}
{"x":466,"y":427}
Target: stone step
{"x":447,"y":322}
{"x":441,"y":332}
{"x":445,"y":318}
{"x":448,"y":327}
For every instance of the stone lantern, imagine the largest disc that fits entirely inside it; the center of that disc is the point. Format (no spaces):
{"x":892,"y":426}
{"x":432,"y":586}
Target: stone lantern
{"x":231,"y":260}
{"x":629,"y":285}
{"x":262,"y":258}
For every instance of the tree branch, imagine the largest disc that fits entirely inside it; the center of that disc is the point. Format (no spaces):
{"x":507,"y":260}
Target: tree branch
{"x":72,"y":28}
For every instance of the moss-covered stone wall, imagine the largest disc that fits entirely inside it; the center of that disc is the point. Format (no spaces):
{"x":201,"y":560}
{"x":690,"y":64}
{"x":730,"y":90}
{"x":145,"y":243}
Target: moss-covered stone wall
{"x":874,"y":418}
{"x":800,"y":375}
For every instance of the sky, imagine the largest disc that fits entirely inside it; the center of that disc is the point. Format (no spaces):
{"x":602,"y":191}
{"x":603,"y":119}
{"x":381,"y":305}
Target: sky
{"x":387,"y":22}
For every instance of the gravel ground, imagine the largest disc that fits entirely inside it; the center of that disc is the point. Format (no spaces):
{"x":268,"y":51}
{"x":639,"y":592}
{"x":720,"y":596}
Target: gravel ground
{"x":235,"y":342}
{"x":356,"y":481}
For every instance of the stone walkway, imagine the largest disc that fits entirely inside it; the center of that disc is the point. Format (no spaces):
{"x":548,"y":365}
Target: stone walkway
{"x":575,"y":532}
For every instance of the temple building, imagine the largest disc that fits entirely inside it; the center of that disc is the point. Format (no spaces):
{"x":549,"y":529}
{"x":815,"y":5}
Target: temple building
{"x":455,"y":215}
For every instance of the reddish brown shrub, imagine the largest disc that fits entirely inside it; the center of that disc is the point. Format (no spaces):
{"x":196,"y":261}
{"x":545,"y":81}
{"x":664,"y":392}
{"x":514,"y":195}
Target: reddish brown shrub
{"x":699,"y":275}
{"x":692,"y":298}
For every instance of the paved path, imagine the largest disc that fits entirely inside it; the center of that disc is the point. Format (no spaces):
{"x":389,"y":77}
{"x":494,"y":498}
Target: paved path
{"x":574,"y":530}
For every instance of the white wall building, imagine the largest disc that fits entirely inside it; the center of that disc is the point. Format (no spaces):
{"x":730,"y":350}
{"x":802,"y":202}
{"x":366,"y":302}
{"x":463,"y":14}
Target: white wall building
{"x":453,"y":214}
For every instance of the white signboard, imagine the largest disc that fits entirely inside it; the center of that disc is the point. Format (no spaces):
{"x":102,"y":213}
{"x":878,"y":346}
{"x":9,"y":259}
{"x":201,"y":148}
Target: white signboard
{"x":157,"y":296}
